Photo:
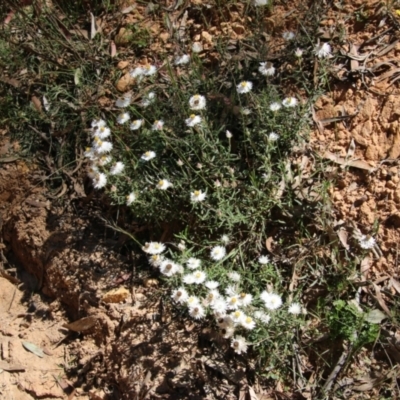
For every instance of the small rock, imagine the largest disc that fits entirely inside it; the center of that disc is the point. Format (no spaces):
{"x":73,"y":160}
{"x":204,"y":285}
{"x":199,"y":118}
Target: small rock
{"x":206,"y":36}
{"x":116,"y":295}
{"x":122,"y":64}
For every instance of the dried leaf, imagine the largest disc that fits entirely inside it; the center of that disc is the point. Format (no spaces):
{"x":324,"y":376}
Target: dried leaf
{"x":343,"y":236}
{"x":352,"y":148}
{"x":395,"y":284}
{"x":348,"y":163}
{"x":252,"y":394}
{"x":82,"y":324}
{"x":93,"y":30}
{"x":366,"y":265}
{"x":77,"y":76}
{"x":380,"y":300}
{"x":37,"y":103}
{"x":113,"y":49}
{"x":375,"y":316}
{"x":268,"y":244}
{"x":11,"y":367}
{"x":33,"y":349}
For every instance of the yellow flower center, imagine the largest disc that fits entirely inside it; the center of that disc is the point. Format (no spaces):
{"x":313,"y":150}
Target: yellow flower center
{"x":192,"y":116}
{"x":233,"y":300}
{"x":249,"y":320}
{"x":237,"y":314}
{"x":102,"y":129}
{"x":88,"y":148}
{"x":242,"y":295}
{"x":160,"y":183}
{"x":197,"y":193}
{"x":147,"y":154}
{"x":243,"y":84}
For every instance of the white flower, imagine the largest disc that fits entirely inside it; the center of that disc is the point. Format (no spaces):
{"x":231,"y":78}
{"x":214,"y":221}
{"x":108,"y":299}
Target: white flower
{"x":238,"y":316}
{"x":273,"y":137}
{"x":323,"y":50}
{"x":199,"y":277}
{"x":298,"y":53}
{"x":272,"y":300}
{"x":138,"y":72}
{"x":90,"y":153}
{"x":117,"y":168}
{"x":102,"y":132}
{"x":193,"y":120}
{"x":149,"y":70}
{"x":275,"y":106}
{"x":211,"y":285}
{"x":225,"y":239}
{"x":163,"y":184}
{"x":259,"y":3}
{"x":290,"y":102}
{"x":122,"y":118}
{"x":239,"y":344}
{"x":244,"y":87}
{"x":246,"y":111}
{"x":229,"y":134}
{"x":218,"y":253}
{"x":288,"y":35}
{"x":262,"y":316}
{"x":104,"y":160}
{"x":234,"y":276}
{"x":130,"y":198}
{"x":294,"y":308}
{"x":98,"y":123}
{"x":266,"y":68}
{"x":211,"y":297}
{"x":197,"y":196}
{"x":197,"y":311}
{"x":136,"y":124}
{"x":225,"y":321}
{"x":102,"y":146}
{"x":168,"y":268}
{"x":233,"y":302}
{"x":180,"y":295}
{"x":158,"y":125}
{"x":181,"y":245}
{"x":228,"y":332}
{"x":155,"y":260}
{"x":100,"y":180}
{"x":263,"y":259}
{"x":188,"y":279}
{"x":193,"y":263}
{"x":184,"y":59}
{"x":197,"y":102}
{"x":231,"y":290}
{"x":367,"y":242}
{"x":197,"y":47}
{"x":219,"y":306}
{"x":192,"y":301}
{"x":245,"y":299}
{"x":149,"y":155}
{"x":248,"y":323}
{"x":153,"y":248}
{"x":180,"y":163}
{"x":148,"y":99}
{"x":124,"y":101}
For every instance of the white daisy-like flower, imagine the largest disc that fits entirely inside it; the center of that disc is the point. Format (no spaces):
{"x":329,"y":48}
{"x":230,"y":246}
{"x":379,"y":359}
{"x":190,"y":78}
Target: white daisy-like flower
{"x":273,"y":137}
{"x":323,"y":50}
{"x":294,"y":308}
{"x":366,"y":242}
{"x":155,"y":260}
{"x":153,"y":248}
{"x":193,"y":263}
{"x":211,"y":297}
{"x":197,"y":102}
{"x":168,"y":268}
{"x":193,"y":120}
{"x":124,"y":101}
{"x":227,"y":332}
{"x":211,"y":285}
{"x":238,"y":316}
{"x":298,"y":53}
{"x":275,"y":106}
{"x":103,"y":146}
{"x":239,"y":344}
{"x":262,"y":316}
{"x":90,"y":153}
{"x":245,"y":299}
{"x":122,"y":118}
{"x":263,"y":259}
{"x":197,"y":311}
{"x":288,"y":35}
{"x":188,"y":279}
{"x":98,"y":123}
{"x":104,"y":160}
{"x":180,"y":295}
{"x":234,"y":276}
{"x":219,"y":306}
{"x":229,"y":134}
{"x":192,"y":301}
{"x":231,"y":290}
{"x":184,"y":59}
{"x":181,"y":245}
{"x":244,"y":87}
{"x":225,"y":321}
{"x":137,"y":72}
{"x":259,"y":3}
{"x":164,"y":184}
{"x":199,"y":277}
{"x":290,"y":102}
{"x":131,"y":198}
{"x":117,"y":168}
{"x":102,"y":132}
{"x":225,"y":239}
{"x":197,"y":196}
{"x":233,"y":302}
{"x":197,"y":47}
{"x":148,"y":99}
{"x":248,"y":323}
{"x":158,"y":125}
{"x":149,"y":155}
{"x":272,"y":300}
{"x":266,"y":68}
{"x":218,"y":253}
{"x":136,"y":124}
{"x":246,"y":111}
{"x":100,"y":180}
{"x":149,"y":70}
